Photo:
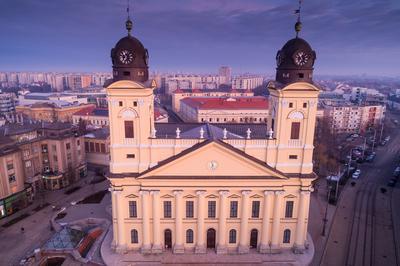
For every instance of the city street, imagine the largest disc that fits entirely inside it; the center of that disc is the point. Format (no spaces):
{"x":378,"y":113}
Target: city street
{"x":363,"y":229}
{"x":37,"y":225}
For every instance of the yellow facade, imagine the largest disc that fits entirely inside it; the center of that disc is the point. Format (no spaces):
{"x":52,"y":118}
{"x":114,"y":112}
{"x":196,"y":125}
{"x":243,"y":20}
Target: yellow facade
{"x":198,"y":175}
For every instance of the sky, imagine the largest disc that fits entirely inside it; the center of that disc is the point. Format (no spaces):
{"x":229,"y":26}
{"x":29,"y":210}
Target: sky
{"x":349,"y":36}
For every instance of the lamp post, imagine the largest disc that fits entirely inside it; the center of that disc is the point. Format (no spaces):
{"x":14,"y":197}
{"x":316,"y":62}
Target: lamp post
{"x":325,"y":220}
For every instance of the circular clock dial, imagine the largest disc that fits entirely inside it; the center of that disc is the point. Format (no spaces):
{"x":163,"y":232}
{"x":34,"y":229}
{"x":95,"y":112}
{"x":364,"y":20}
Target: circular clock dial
{"x":126,"y":57}
{"x":301,"y":58}
{"x":212,"y":165}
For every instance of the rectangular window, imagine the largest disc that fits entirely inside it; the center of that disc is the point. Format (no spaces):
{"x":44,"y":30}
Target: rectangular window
{"x":97,"y":146}
{"x":290,"y":105}
{"x":167,"y":209}
{"x":128,"y":129}
{"x":10,"y":166}
{"x":68,"y":146}
{"x":189,"y":209}
{"x":135,"y":103}
{"x":102,"y":148}
{"x":87,"y":146}
{"x":293,"y":157}
{"x":54,"y":147}
{"x":289,"y":209}
{"x":212,"y":209}
{"x":295,"y":130}
{"x":28,"y":164}
{"x":44,"y":148}
{"x":120,"y":103}
{"x":130,"y":156}
{"x":234,"y":209}
{"x":255,"y":209}
{"x":132,"y":209}
{"x":69,"y":157}
{"x":11,"y":178}
{"x":304,"y":105}
{"x":91,"y":146}
{"x":55,"y":158}
{"x":78,"y":142}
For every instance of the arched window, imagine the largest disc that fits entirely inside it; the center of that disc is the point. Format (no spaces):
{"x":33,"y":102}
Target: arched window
{"x":134,"y":236}
{"x":189,"y":236}
{"x":286,"y":236}
{"x":232,"y":236}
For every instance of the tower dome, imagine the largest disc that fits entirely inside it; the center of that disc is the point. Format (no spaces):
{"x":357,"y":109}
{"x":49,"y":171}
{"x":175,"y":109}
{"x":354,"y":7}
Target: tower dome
{"x":295,"y":61}
{"x":130,"y":58}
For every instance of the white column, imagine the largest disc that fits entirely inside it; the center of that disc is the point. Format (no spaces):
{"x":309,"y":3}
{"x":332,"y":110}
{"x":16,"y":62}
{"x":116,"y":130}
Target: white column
{"x":121,"y":244}
{"x":266,"y":224}
{"x":275,"y":241}
{"x":244,"y":223}
{"x":146,"y":245}
{"x":200,"y":244}
{"x":221,"y":248}
{"x":301,"y":221}
{"x":156,"y":248}
{"x":114,"y":217}
{"x":178,"y":247}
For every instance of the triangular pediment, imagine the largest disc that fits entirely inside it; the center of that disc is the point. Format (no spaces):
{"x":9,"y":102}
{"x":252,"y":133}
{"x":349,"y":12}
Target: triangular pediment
{"x":214,"y":159}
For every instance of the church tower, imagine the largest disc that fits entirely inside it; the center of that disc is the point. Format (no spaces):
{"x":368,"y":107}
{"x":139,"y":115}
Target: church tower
{"x":293,"y":105}
{"x":131,"y":110}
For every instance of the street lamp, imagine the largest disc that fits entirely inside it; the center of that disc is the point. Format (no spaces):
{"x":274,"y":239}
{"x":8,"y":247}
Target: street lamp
{"x":325,"y":220}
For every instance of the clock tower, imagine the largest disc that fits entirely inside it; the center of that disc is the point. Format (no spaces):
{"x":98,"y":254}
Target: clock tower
{"x":130,"y":58}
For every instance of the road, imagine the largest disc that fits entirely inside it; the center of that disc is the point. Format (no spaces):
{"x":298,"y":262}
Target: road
{"x":362,"y":230}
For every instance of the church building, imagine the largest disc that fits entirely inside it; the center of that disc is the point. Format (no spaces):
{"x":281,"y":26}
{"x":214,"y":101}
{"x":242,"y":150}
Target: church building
{"x":201,"y":187}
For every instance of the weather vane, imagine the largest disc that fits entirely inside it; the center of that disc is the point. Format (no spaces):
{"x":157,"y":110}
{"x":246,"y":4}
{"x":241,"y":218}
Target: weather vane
{"x":128,"y":23}
{"x":297,"y":26}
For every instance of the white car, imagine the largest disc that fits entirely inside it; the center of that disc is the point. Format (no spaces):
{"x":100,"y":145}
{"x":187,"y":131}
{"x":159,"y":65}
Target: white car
{"x":356,"y":174}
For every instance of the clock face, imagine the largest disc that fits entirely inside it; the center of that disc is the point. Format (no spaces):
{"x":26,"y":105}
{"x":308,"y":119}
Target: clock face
{"x":146,"y":57}
{"x":301,"y":58}
{"x":126,"y":57}
{"x":212,"y":165}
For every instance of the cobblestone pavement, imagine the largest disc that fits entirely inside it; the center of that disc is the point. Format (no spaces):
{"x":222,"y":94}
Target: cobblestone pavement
{"x":15,"y":245}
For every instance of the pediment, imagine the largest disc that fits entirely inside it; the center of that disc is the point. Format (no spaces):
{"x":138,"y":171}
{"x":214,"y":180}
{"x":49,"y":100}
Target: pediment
{"x":167,"y":196}
{"x":211,"y":196}
{"x":256,"y":196}
{"x":234,"y":196}
{"x":189,"y":196}
{"x":131,"y":196}
{"x":290,"y":196}
{"x":213,"y":159}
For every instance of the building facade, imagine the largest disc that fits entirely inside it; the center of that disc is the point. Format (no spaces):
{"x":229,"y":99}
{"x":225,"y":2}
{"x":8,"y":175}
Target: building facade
{"x":247,"y":82}
{"x":180,"y":94}
{"x":224,"y":110}
{"x":8,"y":101}
{"x":35,"y":157}
{"x":209,"y":188}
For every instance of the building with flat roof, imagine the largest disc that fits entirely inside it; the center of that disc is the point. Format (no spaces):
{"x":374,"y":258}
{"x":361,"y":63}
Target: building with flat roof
{"x":224,"y":109}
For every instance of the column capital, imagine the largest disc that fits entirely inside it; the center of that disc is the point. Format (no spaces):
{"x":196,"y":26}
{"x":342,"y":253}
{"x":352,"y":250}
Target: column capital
{"x":223,"y":192}
{"x":268,"y":192}
{"x":178,"y":192}
{"x":201,"y":192}
{"x":144,"y":192}
{"x":154,"y":192}
{"x":279,"y":192}
{"x":246,"y":192}
{"x":305,"y":192}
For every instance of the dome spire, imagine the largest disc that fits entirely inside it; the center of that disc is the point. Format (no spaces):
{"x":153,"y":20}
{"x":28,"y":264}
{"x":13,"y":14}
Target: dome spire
{"x":297,"y":26}
{"x":128,"y":23}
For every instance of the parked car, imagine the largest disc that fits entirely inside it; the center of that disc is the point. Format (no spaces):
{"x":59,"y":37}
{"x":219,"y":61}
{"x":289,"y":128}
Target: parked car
{"x":396,"y":172}
{"x":356,"y":174}
{"x":392,"y":183}
{"x":387,"y":138}
{"x":370,"y":158}
{"x":383,"y":142}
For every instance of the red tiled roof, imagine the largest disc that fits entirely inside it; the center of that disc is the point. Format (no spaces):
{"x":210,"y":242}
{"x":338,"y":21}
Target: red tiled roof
{"x":256,"y":102}
{"x":93,"y":111}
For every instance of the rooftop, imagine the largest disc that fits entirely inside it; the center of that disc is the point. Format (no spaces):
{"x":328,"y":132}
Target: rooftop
{"x":232,"y":103}
{"x":93,"y":111}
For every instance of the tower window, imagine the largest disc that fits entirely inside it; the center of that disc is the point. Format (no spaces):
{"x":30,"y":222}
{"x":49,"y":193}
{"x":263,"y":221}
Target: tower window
{"x":130,"y":156}
{"x":304,"y":105}
{"x":292,"y":157}
{"x":129,"y":129}
{"x":301,"y":75}
{"x":295,"y":130}
{"x":290,"y":105}
{"x":127,"y":73}
{"x":120,"y":103}
{"x":135,"y":103}
{"x":285,"y":75}
{"x":140,"y":73}
{"x":289,"y":209}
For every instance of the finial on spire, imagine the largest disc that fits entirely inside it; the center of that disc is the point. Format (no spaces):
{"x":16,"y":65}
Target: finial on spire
{"x":297,"y":26}
{"x":128,"y":23}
